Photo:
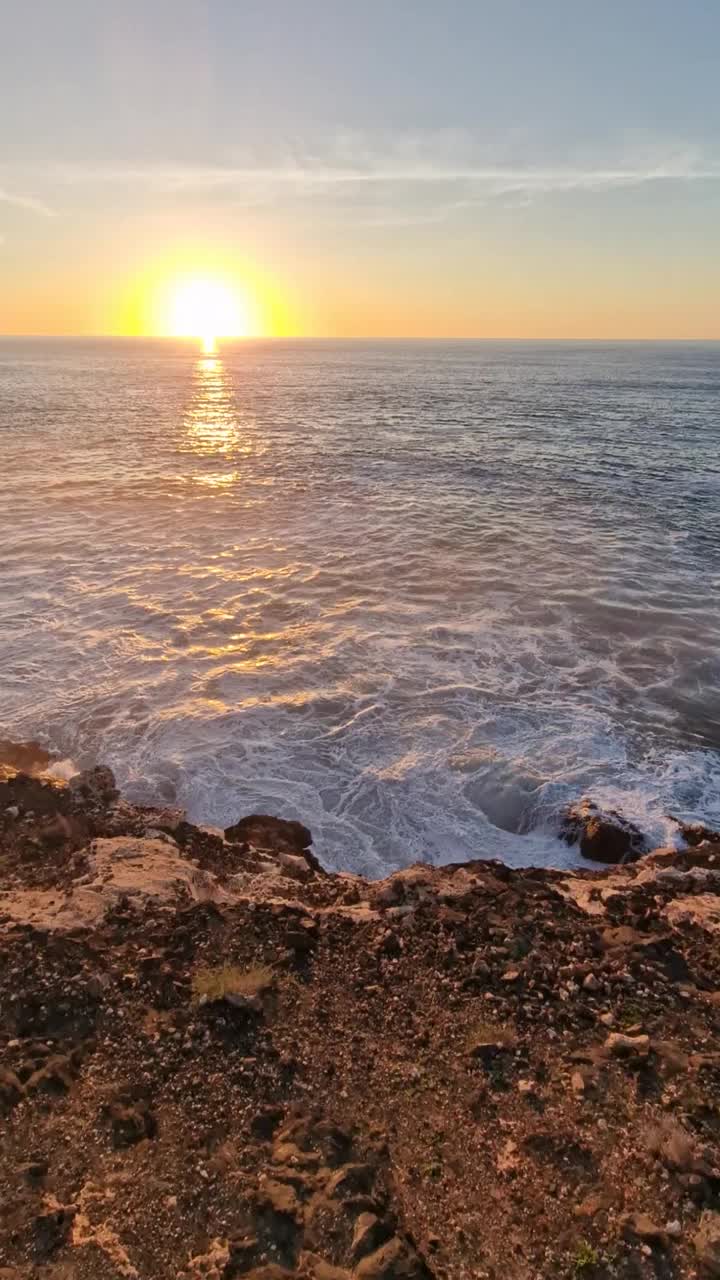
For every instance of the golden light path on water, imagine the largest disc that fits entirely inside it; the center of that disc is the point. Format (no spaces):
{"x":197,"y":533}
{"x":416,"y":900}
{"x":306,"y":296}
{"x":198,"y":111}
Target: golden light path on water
{"x":391,"y":590}
{"x":212,"y":427}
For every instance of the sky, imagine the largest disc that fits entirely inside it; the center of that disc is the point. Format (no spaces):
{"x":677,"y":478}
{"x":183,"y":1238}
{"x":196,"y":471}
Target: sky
{"x":402,"y":168}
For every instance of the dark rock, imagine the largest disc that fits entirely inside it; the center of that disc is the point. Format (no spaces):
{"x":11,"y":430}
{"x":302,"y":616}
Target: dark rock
{"x":131,"y":1122}
{"x":51,"y":1230}
{"x":242,"y":1254}
{"x":350,"y":1179}
{"x":96,"y":787}
{"x":603,"y":836}
{"x":11,"y":1089}
{"x":56,"y":1076}
{"x":695,"y":833}
{"x":34,"y":1171}
{"x":266,"y":832}
{"x":486,"y":1048}
{"x":265,"y":1122}
{"x":370,"y":1232}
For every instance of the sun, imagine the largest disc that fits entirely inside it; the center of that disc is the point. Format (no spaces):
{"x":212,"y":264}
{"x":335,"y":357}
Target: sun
{"x":207,"y":309}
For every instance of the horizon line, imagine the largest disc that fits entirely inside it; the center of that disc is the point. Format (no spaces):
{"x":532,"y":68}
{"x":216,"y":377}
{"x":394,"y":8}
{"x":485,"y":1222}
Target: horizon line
{"x":299,"y":337}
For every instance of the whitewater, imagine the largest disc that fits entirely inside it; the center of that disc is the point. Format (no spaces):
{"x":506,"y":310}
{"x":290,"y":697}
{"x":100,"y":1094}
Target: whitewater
{"x":418,"y":595}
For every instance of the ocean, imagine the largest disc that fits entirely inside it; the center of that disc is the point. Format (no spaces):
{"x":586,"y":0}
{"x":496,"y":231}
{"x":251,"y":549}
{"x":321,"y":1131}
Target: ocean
{"x":418,"y":595}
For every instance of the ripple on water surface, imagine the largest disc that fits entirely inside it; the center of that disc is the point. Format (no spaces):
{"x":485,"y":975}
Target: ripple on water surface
{"x":417,"y":595}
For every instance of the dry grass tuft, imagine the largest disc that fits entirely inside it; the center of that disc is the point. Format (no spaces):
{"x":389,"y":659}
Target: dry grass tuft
{"x":227,"y":982}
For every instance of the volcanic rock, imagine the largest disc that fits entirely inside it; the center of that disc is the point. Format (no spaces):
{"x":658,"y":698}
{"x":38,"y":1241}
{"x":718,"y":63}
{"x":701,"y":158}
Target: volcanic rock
{"x":265,"y":832}
{"x":603,"y":836}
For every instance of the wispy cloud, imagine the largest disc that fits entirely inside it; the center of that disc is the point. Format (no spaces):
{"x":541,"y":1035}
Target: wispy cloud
{"x":497,"y":178}
{"x":385,"y":179}
{"x":425,"y":159}
{"x":26,"y":202}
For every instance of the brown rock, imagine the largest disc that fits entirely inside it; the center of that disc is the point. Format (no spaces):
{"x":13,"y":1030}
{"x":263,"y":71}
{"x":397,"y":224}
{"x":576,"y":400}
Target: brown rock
{"x":312,"y":1265}
{"x":11,"y":1089}
{"x":266,"y":832}
{"x":602,"y":836}
{"x":394,"y":1260}
{"x":350,"y":1179}
{"x":270,"y":1271}
{"x":706,"y":1243}
{"x":131,"y":1122}
{"x":674,"y":1146}
{"x":639,"y":1226}
{"x":620,"y":1046}
{"x":370,"y":1232}
{"x":599,"y":1202}
{"x":485,"y":1048}
{"x":279,"y":1197}
{"x":56,"y":1076}
{"x":695,"y":833}
{"x":29,"y":757}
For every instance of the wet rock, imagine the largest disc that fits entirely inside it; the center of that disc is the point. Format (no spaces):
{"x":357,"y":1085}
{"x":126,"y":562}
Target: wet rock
{"x":695,"y":833}
{"x":95,"y":787}
{"x":265,"y":832}
{"x":603,"y":836}
{"x":28,"y":757}
{"x":706,"y":1243}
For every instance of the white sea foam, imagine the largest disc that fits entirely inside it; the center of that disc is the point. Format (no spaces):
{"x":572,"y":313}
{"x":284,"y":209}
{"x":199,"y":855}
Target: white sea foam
{"x":420,"y":597}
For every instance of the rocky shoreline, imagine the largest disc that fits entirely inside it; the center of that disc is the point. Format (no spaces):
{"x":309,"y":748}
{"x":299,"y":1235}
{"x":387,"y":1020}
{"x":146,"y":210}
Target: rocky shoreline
{"x":219,"y":1060}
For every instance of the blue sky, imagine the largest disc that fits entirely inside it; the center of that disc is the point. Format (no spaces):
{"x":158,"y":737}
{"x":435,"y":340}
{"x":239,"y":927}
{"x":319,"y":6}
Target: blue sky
{"x":490,"y":168}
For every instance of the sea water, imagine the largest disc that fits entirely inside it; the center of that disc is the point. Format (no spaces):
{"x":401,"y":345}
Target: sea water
{"x":419,"y":595}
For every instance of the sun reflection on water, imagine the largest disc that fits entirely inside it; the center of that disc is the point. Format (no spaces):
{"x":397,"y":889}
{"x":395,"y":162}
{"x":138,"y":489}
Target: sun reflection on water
{"x":211,"y":420}
{"x":213,"y":426}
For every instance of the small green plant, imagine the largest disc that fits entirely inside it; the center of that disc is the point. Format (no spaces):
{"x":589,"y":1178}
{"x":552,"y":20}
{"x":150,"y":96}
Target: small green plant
{"x":632,"y":1012}
{"x":227,"y":982}
{"x":586,"y":1257}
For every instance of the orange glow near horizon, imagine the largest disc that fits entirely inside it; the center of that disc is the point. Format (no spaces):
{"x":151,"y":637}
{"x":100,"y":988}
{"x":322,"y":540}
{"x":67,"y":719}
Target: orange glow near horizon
{"x":193,"y":292}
